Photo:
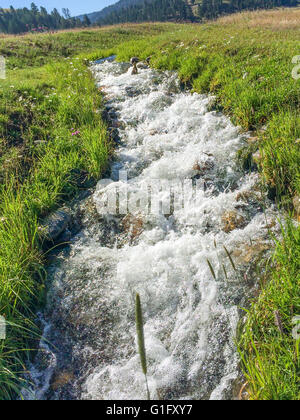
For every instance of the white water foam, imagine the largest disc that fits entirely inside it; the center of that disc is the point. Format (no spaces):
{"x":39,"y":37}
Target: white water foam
{"x":190,"y":314}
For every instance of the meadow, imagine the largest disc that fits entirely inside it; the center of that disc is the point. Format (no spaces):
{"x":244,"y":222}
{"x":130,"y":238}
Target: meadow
{"x":52,"y":135}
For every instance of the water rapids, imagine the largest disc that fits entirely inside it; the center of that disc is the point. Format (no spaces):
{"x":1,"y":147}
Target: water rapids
{"x":174,"y":256}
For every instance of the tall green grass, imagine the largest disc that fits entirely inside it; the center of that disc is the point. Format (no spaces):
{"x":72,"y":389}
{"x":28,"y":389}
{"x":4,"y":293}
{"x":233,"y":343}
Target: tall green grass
{"x":35,"y":50}
{"x":71,"y":103}
{"x":270,"y":355}
{"x":141,"y":339}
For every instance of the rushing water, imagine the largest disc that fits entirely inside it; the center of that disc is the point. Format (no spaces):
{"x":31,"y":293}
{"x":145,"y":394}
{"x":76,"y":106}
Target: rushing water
{"x":190,"y":291}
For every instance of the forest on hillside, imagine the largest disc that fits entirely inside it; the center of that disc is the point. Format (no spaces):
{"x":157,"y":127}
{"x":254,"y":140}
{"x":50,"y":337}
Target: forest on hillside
{"x":157,"y":10}
{"x":180,"y":10}
{"x":16,"y":21}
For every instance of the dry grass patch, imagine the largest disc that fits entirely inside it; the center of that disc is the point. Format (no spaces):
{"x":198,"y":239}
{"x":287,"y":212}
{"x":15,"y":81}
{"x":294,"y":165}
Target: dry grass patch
{"x":274,"y":19}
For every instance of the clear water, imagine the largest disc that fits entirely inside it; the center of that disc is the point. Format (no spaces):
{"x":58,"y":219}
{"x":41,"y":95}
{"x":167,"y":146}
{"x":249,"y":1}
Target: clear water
{"x":190,"y":314}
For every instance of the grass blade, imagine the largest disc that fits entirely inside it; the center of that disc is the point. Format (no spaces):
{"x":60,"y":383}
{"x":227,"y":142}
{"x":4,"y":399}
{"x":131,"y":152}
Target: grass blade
{"x":230,"y":258}
{"x":211,"y":269}
{"x":141,"y":339}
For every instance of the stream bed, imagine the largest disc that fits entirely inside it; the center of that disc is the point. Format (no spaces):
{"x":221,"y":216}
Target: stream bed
{"x":174,"y":207}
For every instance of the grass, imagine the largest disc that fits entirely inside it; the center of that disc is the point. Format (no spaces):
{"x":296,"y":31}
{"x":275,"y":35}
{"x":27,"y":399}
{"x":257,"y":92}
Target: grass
{"x":33,"y":50}
{"x":245,"y":61}
{"x":37,"y":174}
{"x":48,"y":94}
{"x":39,"y":162}
{"x":270,"y":355}
{"x":276,"y":19}
{"x":141,"y":339}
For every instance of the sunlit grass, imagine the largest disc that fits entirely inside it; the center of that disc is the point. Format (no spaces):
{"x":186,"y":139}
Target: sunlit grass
{"x":270,"y":357}
{"x":39,"y":156}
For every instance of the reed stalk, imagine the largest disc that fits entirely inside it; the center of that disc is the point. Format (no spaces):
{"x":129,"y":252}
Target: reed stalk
{"x":141,"y":339}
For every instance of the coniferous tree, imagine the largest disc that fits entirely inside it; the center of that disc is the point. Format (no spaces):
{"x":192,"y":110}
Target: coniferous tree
{"x":15,"y":21}
{"x":66,"y":13}
{"x":157,"y":10}
{"x":86,"y":21}
{"x":23,"y":20}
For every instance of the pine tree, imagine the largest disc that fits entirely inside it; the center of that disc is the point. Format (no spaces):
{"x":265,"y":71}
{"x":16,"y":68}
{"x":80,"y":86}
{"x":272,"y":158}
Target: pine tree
{"x":34,"y":8}
{"x":86,"y":21}
{"x":17,"y":21}
{"x":66,"y":13}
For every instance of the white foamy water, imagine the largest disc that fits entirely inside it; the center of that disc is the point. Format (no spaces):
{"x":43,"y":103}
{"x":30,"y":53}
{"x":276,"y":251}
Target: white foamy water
{"x":190,"y":314}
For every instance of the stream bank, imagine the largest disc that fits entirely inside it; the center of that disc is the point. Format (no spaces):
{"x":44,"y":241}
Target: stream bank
{"x":189,"y":249}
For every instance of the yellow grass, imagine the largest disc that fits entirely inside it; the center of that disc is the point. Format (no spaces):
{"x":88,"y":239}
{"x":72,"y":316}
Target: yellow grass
{"x":127,"y":26}
{"x":274,"y":19}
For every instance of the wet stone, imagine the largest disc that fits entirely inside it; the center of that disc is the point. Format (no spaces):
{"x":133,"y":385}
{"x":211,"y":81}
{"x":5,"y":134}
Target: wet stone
{"x":61,"y":379}
{"x":232,"y":220}
{"x":246,"y":253}
{"x":56,"y":224}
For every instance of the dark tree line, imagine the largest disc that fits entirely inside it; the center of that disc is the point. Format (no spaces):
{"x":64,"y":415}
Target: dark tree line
{"x":16,"y":21}
{"x":157,"y":10}
{"x":181,"y":10}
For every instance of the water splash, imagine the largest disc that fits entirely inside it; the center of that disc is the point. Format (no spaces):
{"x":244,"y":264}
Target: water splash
{"x":190,"y":314}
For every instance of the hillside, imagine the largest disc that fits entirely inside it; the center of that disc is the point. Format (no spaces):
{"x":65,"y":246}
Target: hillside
{"x":178,"y":10}
{"x":101,"y":14}
{"x":125,"y":4}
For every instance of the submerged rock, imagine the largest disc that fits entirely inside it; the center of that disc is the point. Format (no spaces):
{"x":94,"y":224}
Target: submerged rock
{"x":134,"y":70}
{"x":142,"y":66}
{"x":247,"y":254}
{"x":65,"y":236}
{"x":56,"y":224}
{"x":232,"y":220}
{"x":133,"y":225}
{"x":61,"y":379}
{"x":134,"y":60}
